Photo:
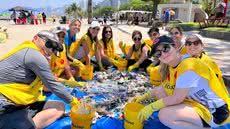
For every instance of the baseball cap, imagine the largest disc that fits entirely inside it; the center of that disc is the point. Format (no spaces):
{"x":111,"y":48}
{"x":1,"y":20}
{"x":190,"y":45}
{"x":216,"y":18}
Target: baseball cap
{"x":161,"y":40}
{"x":47,"y":35}
{"x":59,"y":29}
{"x":52,"y":41}
{"x":94,"y":24}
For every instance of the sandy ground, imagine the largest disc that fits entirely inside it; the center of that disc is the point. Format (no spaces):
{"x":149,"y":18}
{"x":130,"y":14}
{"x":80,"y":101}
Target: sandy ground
{"x":217,"y":49}
{"x":20,"y":33}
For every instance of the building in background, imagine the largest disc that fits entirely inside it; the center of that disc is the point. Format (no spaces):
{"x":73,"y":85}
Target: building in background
{"x":113,"y":3}
{"x":83,"y":4}
{"x":185,"y":11}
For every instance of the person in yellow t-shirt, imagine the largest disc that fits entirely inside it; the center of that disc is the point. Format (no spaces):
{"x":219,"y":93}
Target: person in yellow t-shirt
{"x":85,"y":48}
{"x":139,"y":51}
{"x":193,"y":96}
{"x":106,"y":48}
{"x":60,"y":65}
{"x":153,"y":34}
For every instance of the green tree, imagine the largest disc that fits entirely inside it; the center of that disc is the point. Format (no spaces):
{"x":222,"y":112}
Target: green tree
{"x":155,"y":5}
{"x":208,"y":6}
{"x":137,"y":5}
{"x":73,"y":10}
{"x":104,"y":11}
{"x":126,"y":6}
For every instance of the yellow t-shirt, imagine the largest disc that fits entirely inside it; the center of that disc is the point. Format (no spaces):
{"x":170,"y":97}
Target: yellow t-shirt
{"x":109,"y":49}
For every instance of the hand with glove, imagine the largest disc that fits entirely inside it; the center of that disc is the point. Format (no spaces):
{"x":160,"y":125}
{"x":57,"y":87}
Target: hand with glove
{"x":71,"y":82}
{"x":132,"y":67}
{"x":147,"y":111}
{"x":139,"y":99}
{"x":114,"y":62}
{"x":122,"y":46}
{"x":78,"y":63}
{"x":74,"y":102}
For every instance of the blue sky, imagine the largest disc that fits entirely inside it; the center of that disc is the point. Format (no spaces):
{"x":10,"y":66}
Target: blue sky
{"x":6,"y":4}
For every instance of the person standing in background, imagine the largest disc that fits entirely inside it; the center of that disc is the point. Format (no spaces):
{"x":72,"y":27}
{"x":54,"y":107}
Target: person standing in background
{"x":44,"y":17}
{"x":219,"y":10}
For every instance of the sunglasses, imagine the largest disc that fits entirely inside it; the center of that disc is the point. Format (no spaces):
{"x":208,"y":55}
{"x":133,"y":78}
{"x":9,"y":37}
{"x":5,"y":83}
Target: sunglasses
{"x":175,"y":33}
{"x":137,"y":39}
{"x":195,"y":43}
{"x":108,"y":31}
{"x":96,"y":28}
{"x":166,"y":48}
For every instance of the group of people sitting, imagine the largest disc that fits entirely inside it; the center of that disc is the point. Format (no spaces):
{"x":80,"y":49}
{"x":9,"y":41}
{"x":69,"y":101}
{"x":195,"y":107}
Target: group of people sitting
{"x":187,"y":83}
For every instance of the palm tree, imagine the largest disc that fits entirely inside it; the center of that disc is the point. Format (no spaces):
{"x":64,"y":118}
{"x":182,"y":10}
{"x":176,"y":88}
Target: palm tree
{"x":90,"y":8}
{"x":73,"y":10}
{"x":68,"y":11}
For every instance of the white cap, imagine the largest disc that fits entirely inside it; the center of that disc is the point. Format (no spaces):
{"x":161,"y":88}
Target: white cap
{"x":199,"y":37}
{"x":94,"y":24}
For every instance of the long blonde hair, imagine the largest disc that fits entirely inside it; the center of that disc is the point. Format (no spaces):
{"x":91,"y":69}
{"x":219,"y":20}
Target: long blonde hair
{"x":73,"y":21}
{"x":164,"y":71}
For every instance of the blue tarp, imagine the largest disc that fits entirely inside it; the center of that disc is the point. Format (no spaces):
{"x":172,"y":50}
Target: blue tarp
{"x":105,"y":122}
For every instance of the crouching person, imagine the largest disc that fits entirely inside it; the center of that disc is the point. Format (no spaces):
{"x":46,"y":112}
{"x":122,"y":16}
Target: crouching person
{"x":22,"y":73}
{"x":194,"y":95}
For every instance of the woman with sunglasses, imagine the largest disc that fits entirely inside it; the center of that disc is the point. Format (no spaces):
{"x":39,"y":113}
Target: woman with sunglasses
{"x":139,"y":51}
{"x":106,"y":47}
{"x":195,"y":48}
{"x":177,"y":34}
{"x":194,"y":96}
{"x":85,"y":48}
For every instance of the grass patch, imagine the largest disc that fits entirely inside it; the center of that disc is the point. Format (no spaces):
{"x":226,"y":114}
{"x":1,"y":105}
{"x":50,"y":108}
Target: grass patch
{"x":186,"y":26}
{"x":218,"y":29}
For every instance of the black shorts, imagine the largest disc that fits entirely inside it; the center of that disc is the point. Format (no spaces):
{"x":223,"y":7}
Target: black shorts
{"x":20,"y":117}
{"x":219,"y":116}
{"x":144,"y":64}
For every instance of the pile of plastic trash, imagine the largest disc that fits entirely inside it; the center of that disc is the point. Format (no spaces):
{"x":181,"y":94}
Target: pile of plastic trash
{"x":115,"y":89}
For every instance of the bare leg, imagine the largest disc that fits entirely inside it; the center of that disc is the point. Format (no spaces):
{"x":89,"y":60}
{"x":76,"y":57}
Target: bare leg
{"x":50,"y":113}
{"x":180,"y":116}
